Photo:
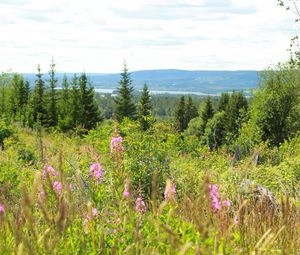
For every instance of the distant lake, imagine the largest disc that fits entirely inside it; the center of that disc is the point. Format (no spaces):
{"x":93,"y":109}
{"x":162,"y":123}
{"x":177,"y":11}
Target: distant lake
{"x":156,"y":92}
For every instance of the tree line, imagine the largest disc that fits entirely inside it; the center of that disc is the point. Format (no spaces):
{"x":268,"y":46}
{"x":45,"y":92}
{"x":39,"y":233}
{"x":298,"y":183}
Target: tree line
{"x":72,"y":106}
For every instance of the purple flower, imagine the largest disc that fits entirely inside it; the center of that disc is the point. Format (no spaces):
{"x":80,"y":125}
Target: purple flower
{"x":116,"y":146}
{"x":49,"y":170}
{"x":227,"y":203}
{"x":2,"y":210}
{"x":170,"y":190}
{"x":126,"y":192}
{"x":140,"y":205}
{"x":96,"y":171}
{"x":215,"y":197}
{"x":95,"y":212}
{"x":57,"y":186}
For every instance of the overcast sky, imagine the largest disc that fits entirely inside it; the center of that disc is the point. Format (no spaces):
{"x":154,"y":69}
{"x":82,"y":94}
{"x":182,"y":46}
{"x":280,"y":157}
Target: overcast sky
{"x":96,"y":36}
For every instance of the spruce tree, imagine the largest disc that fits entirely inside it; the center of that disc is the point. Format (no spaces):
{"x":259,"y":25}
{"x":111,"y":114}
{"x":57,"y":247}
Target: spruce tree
{"x":191,"y":110}
{"x":89,"y":113}
{"x":19,"y":96}
{"x":206,"y":113}
{"x":39,"y":107}
{"x":64,"y":106}
{"x":125,"y":106}
{"x":14,"y":96}
{"x":145,"y":108}
{"x":52,"y":108}
{"x":75,"y":102}
{"x":223,"y":102}
{"x":180,"y":115}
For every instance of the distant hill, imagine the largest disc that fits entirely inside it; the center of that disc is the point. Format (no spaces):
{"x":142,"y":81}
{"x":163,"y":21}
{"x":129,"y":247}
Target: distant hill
{"x":208,"y":82}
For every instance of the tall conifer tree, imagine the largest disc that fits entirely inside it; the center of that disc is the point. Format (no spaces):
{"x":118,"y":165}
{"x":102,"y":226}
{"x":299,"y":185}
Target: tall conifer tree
{"x":180,"y":115}
{"x":206,"y":113}
{"x":89,"y":112}
{"x":75,"y":102}
{"x":125,"y":106}
{"x":145,"y":108}
{"x":191,"y":110}
{"x":39,"y":107}
{"x":52,"y":107}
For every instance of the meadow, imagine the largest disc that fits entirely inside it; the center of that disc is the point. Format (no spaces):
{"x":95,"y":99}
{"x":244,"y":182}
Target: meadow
{"x":120,"y":190}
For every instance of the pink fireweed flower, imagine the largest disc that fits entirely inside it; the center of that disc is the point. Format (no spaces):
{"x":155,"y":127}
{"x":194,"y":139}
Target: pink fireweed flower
{"x":140,"y":205}
{"x":57,"y":186}
{"x":227,"y":203}
{"x":116,"y":146}
{"x":95,"y":212}
{"x":96,"y":171}
{"x":2,"y":210}
{"x":170,"y":191}
{"x":215,"y":197}
{"x":49,"y":170}
{"x":126,"y":192}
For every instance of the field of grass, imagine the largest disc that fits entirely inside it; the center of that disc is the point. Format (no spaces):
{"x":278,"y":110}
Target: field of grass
{"x":145,"y":193}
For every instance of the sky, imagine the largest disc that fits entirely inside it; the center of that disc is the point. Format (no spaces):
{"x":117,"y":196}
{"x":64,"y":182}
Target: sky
{"x":96,"y":36}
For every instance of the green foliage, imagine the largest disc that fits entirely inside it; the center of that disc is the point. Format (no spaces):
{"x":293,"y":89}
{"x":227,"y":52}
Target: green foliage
{"x":235,"y":112}
{"x":5,"y":132}
{"x":180,"y":115}
{"x":275,"y":114}
{"x":215,"y":132}
{"x":145,"y":109}
{"x":52,"y":111}
{"x":190,"y":111}
{"x":39,"y":101}
{"x":89,"y":114}
{"x":206,"y":112}
{"x":124,"y":105}
{"x":223,"y":102}
{"x":197,"y":125}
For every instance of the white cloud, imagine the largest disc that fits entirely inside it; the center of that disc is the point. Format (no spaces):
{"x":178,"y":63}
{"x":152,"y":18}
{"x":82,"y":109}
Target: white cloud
{"x":96,"y":36}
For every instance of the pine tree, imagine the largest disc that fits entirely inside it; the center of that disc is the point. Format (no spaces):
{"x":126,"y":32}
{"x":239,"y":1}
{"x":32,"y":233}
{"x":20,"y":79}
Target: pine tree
{"x":89,"y":112}
{"x":144,"y":109}
{"x":52,"y":109}
{"x":180,"y":115}
{"x":191,"y":110}
{"x":124,"y":101}
{"x":39,"y":108}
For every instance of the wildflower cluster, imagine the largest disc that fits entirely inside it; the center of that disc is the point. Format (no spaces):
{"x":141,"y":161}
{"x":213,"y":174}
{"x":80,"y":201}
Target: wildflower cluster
{"x":140,"y":205}
{"x":96,"y":171}
{"x":116,"y":146}
{"x":49,"y":170}
{"x":57,"y":187}
{"x":215,"y":198}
